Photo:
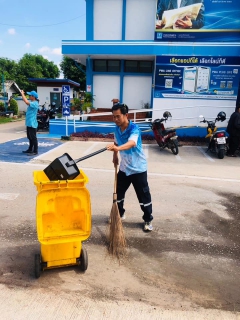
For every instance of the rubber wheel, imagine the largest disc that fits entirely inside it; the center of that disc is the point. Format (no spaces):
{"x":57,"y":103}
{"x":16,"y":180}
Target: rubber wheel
{"x":83,"y":260}
{"x":37,"y":266}
{"x":174,"y":147}
{"x":221,"y":153}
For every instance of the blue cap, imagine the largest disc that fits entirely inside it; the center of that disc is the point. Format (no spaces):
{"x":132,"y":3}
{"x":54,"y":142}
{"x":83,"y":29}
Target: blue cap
{"x":33,"y":93}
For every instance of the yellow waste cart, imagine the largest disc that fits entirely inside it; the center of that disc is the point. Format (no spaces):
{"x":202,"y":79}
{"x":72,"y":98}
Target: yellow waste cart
{"x":63,"y":216}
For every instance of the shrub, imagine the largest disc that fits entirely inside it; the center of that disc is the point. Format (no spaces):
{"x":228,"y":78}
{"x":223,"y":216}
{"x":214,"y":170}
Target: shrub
{"x":2,"y":108}
{"x":77,"y":103}
{"x":13,"y":106}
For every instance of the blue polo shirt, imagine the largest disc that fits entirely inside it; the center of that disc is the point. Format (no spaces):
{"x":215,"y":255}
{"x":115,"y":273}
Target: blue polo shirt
{"x":133,"y":160}
{"x":31,"y":115}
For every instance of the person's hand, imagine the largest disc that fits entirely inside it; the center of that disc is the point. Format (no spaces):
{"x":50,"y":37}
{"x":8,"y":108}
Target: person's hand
{"x":185,"y":23}
{"x":112,"y":147}
{"x":22,"y":92}
{"x":159,"y":24}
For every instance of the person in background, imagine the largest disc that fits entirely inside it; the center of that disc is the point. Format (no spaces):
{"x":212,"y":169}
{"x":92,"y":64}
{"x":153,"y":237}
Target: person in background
{"x":133,"y":166}
{"x":185,"y":23}
{"x":233,"y":129}
{"x":31,"y":122}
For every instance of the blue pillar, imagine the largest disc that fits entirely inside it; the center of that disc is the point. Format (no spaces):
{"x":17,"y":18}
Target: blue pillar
{"x":89,"y":20}
{"x":153,"y":83}
{"x":89,"y":74}
{"x":121,"y":81}
{"x":124,"y":10}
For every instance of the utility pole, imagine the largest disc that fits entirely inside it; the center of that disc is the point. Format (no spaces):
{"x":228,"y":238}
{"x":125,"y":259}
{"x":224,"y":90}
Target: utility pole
{"x":4,"y":92}
{"x":3,"y":87}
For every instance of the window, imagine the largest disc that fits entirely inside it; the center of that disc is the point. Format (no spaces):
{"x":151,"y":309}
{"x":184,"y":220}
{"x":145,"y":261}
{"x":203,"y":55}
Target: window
{"x":100,"y":65}
{"x":131,"y":66}
{"x":114,"y":66}
{"x":106,"y":65}
{"x":145,"y":66}
{"x":138,"y":66}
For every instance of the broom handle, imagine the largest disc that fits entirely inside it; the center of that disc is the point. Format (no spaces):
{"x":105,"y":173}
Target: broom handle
{"x":115,"y":179}
{"x":72,"y":162}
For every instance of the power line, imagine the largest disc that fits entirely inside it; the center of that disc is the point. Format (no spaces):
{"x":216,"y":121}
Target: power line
{"x":41,"y":26}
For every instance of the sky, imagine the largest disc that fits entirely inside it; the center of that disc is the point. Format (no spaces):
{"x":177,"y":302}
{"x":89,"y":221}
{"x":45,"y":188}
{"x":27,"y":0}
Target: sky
{"x":23,"y":27}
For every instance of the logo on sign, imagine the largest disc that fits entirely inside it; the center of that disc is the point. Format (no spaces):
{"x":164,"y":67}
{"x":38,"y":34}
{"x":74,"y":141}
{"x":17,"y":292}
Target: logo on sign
{"x":66,"y":101}
{"x":66,"y":111}
{"x":66,"y":90}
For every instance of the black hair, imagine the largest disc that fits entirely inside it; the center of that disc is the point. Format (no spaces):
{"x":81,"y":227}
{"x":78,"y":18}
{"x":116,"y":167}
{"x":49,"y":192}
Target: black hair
{"x":120,"y":106}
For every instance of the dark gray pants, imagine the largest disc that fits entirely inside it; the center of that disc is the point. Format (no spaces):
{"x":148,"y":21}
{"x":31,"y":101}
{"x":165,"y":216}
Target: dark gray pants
{"x":32,"y":137}
{"x":234,"y":143}
{"x":140,"y":184}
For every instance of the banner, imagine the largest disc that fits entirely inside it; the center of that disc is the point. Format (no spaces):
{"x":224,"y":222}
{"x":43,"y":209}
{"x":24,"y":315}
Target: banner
{"x":197,"y":20}
{"x":190,"y":77}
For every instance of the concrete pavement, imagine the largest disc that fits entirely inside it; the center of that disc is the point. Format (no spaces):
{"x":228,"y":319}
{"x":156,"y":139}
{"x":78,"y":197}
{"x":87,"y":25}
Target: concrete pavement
{"x":187,"y":268}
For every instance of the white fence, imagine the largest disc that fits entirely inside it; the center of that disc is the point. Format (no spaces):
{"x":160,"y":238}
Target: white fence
{"x":176,"y":122}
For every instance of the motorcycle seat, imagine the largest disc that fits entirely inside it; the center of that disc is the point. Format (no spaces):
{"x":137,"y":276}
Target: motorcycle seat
{"x":165,"y":132}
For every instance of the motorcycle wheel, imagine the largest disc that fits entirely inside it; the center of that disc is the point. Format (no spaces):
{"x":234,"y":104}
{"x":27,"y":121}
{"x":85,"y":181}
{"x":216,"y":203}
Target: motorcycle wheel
{"x":221,"y":153}
{"x":174,"y":147}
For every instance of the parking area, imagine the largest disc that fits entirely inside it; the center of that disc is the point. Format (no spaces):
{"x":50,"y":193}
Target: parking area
{"x":187,"y":268}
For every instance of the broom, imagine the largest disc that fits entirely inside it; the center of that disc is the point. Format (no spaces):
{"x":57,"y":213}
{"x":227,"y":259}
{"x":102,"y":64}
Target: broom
{"x":117,"y":242}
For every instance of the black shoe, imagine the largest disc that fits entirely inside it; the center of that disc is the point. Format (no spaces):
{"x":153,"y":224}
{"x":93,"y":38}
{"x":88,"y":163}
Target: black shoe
{"x":27,"y":151}
{"x":32,"y":153}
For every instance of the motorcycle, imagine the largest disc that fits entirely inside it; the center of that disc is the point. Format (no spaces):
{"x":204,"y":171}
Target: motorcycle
{"x":165,"y":138}
{"x":44,"y":115}
{"x":43,"y":118}
{"x":217,"y":139}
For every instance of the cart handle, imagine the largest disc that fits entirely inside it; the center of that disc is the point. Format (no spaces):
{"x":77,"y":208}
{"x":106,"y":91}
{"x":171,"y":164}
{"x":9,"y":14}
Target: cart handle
{"x":72,"y":162}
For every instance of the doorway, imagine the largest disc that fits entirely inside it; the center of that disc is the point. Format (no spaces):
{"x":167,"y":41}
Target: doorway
{"x":55,"y":97}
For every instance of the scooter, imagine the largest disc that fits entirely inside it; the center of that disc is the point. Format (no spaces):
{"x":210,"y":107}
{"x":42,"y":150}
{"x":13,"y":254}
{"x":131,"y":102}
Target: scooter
{"x":165,"y":138}
{"x":217,"y":139}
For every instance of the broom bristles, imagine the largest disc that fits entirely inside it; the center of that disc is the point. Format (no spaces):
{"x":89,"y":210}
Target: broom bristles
{"x":116,"y":237}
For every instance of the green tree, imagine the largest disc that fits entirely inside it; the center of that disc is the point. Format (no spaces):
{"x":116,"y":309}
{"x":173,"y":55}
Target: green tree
{"x":8,"y":68}
{"x":34,"y":66}
{"x":13,"y":106}
{"x":29,"y":66}
{"x":72,"y":72}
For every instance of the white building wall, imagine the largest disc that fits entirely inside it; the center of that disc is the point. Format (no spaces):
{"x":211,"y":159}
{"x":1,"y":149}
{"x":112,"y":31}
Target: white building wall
{"x":108,"y":19}
{"x":140,"y":19}
{"x":186,"y":112}
{"x":137,"y":91}
{"x":105,"y":88}
{"x":44,"y":93}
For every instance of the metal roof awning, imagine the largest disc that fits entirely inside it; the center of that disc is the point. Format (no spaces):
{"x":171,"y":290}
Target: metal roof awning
{"x":54,"y":82}
{"x":81,"y":50}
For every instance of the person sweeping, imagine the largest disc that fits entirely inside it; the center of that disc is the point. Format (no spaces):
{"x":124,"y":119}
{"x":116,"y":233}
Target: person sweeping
{"x":133,"y":166}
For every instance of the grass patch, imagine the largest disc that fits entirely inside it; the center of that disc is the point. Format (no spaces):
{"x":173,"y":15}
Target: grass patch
{"x":5,"y":120}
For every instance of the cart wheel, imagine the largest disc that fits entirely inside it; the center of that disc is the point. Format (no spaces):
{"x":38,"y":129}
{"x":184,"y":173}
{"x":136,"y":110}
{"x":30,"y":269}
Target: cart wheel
{"x":37,"y":265}
{"x":83,"y":260}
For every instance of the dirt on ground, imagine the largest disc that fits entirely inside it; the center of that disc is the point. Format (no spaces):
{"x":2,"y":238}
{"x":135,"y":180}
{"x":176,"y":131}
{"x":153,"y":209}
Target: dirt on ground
{"x":166,"y":268}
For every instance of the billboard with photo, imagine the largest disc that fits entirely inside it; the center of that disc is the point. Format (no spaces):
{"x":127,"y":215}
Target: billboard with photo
{"x":187,"y":77}
{"x":197,"y":20}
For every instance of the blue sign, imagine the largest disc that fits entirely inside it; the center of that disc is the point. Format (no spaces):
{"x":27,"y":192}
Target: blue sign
{"x":66,"y":90}
{"x":198,"y":20}
{"x":66,"y":111}
{"x":197,"y":77}
{"x":66,"y":101}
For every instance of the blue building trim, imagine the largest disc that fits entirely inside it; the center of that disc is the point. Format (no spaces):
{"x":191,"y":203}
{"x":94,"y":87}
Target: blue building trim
{"x":89,"y":20}
{"x":124,"y":14}
{"x":149,"y":48}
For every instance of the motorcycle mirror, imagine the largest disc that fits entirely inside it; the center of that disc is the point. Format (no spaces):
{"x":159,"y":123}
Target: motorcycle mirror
{"x":201,"y":116}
